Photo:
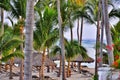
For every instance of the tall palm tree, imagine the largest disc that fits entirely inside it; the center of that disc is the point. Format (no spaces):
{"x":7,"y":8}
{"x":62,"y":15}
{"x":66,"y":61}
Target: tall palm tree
{"x":81,"y":11}
{"x":60,"y":23}
{"x":108,"y":33}
{"x":29,"y":40}
{"x":45,"y":34}
{"x":18,"y":11}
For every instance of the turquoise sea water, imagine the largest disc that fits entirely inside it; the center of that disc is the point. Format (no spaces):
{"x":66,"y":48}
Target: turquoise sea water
{"x":89,"y":44}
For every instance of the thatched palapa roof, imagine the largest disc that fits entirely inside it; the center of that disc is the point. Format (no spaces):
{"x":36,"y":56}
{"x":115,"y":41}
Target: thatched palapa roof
{"x":37,"y":60}
{"x":81,"y":59}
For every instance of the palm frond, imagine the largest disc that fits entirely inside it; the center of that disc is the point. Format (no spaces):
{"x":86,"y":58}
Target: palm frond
{"x":18,"y":54}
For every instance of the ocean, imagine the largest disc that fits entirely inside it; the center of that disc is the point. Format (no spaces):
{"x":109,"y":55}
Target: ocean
{"x":89,"y":44}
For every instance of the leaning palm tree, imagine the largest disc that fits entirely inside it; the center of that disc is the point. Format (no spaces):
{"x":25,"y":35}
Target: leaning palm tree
{"x":29,"y":40}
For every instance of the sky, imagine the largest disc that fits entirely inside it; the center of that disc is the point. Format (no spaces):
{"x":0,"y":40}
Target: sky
{"x":89,"y":31}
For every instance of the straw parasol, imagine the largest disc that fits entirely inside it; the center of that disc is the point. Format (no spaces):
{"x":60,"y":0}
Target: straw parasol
{"x":81,"y":59}
{"x":37,"y":60}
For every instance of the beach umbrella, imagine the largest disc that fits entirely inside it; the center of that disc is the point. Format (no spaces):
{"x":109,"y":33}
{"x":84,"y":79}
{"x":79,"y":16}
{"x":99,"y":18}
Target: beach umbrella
{"x":81,"y":59}
{"x":37,"y":60}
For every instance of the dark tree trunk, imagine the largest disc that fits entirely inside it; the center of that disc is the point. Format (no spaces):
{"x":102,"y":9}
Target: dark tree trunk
{"x":97,"y":41}
{"x":81,"y":31}
{"x":11,"y":65}
{"x":78,"y":30}
{"x":2,"y":21}
{"x":22,"y":61}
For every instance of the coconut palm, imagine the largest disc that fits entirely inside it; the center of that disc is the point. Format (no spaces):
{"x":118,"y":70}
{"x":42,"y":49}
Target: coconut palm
{"x":29,"y":40}
{"x":61,"y":19}
{"x":8,"y":46}
{"x":72,"y":49}
{"x":108,"y":33}
{"x":82,"y":11}
{"x":4,"y":5}
{"x":18,"y":11}
{"x":115,"y":13}
{"x":45,"y":34}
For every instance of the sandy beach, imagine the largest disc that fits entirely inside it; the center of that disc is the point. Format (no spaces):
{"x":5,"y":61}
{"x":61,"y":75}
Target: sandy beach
{"x":53,"y":75}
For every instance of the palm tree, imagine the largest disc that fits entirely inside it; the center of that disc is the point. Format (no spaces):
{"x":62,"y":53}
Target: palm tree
{"x":18,"y":11}
{"x":72,"y":49}
{"x":61,"y":36}
{"x":9,"y":44}
{"x":81,"y":11}
{"x":108,"y":33}
{"x":115,"y":13}
{"x":45,"y":34}
{"x":29,"y":40}
{"x":4,"y":5}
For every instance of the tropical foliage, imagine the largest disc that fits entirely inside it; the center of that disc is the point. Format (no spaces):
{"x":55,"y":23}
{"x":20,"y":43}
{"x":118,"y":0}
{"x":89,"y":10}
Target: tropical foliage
{"x":47,"y":33}
{"x":8,"y":46}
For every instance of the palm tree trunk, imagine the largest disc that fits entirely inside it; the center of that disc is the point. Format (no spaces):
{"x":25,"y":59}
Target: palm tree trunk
{"x":71,"y":32}
{"x":2,"y":21}
{"x":22,"y":61}
{"x":29,"y":40}
{"x":11,"y":64}
{"x":60,"y":66}
{"x":39,"y":72}
{"x":61,"y":39}
{"x":48,"y":67}
{"x":0,"y":61}
{"x":81,"y":30}
{"x":79,"y":67}
{"x":42,"y":66}
{"x":108,"y":35}
{"x":68,"y":71}
{"x":101,"y":43}
{"x":78,"y":30}
{"x":97,"y":41}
